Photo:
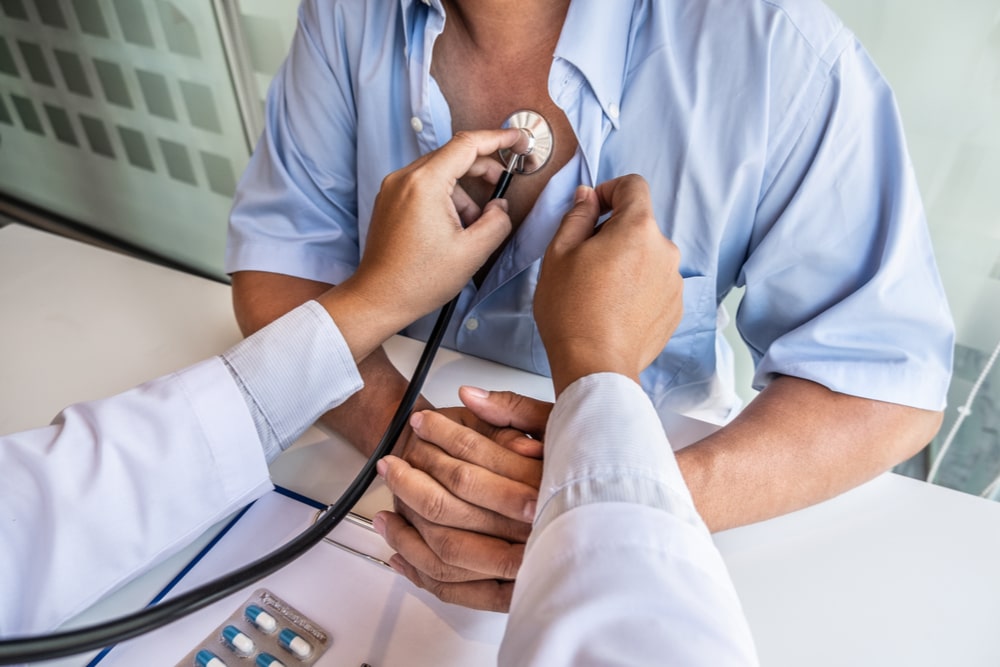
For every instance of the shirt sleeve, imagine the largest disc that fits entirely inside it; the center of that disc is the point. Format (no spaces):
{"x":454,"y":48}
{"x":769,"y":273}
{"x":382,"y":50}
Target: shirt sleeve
{"x":619,"y":567}
{"x":291,"y":372}
{"x":295,"y":209}
{"x":841,"y":283}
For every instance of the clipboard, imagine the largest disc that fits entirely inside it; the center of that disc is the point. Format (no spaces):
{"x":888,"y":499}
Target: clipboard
{"x":373,"y":615}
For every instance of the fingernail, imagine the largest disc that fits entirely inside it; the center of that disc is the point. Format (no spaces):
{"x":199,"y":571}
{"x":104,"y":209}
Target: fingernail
{"x":378,"y":523}
{"x":416,"y":419}
{"x":476,"y":392}
{"x":499,"y":203}
{"x":380,"y":467}
{"x":529,"y":510}
{"x":580,"y":194}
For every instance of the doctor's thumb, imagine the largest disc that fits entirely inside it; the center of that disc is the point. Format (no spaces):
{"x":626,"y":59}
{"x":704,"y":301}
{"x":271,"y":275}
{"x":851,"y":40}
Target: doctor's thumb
{"x":579,"y":223}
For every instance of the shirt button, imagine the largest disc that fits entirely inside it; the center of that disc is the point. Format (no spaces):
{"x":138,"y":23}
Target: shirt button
{"x":613,"y":110}
{"x":416,"y":124}
{"x":472,"y":324}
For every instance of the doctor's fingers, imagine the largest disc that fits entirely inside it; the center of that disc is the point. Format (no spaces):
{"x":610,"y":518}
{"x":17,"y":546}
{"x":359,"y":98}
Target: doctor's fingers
{"x":457,"y":157}
{"x":472,"y":441}
{"x":418,"y":494}
{"x":626,"y":193}
{"x":448,"y":554}
{"x":487,"y":169}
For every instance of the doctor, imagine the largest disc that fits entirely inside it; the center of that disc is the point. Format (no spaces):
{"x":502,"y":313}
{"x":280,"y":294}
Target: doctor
{"x":114,"y":486}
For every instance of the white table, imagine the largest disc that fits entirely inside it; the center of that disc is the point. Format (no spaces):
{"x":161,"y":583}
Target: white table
{"x":896,"y":572}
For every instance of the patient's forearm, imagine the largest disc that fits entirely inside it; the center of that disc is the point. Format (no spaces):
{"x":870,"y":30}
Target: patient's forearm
{"x":797,"y":444}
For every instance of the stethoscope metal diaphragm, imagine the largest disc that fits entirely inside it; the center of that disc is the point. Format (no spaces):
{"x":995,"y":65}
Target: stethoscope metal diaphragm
{"x":540,"y":142}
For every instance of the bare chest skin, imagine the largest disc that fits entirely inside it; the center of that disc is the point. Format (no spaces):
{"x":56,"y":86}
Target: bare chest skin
{"x":484,"y":89}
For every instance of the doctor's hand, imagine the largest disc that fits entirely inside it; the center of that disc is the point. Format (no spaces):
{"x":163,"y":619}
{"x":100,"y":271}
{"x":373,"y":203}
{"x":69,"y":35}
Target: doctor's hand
{"x":466,"y":498}
{"x":608,"y":299}
{"x":422,"y":246}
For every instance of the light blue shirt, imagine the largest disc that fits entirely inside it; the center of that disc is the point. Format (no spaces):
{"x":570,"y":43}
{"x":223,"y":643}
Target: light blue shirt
{"x":772,"y":145}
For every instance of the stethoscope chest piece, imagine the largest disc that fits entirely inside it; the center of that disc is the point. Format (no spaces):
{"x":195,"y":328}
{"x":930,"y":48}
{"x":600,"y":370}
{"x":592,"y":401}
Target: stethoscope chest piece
{"x":540,"y":142}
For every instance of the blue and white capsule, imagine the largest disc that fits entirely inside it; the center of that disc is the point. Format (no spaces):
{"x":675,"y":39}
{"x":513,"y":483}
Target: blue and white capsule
{"x":260,"y":618}
{"x":268,"y":660}
{"x":237,"y":641}
{"x":207,"y":659}
{"x":294,"y":644}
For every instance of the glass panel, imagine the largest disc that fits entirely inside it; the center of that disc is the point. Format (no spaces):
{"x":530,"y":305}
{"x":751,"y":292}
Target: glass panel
{"x":4,"y":114}
{"x":97,"y":135}
{"x":182,"y":38}
{"x":72,"y":72}
{"x":200,"y":106}
{"x":91,"y":18}
{"x":50,"y":13}
{"x":34,"y":60}
{"x":156,"y":93}
{"x":178,"y":162}
{"x":269,"y":27}
{"x":25,"y":109}
{"x":61,"y":125}
{"x":136,"y":149}
{"x":113,"y":83}
{"x":7,"y":64}
{"x":220,"y":174}
{"x":136,"y":132}
{"x":132,"y":19}
{"x":14,"y":9}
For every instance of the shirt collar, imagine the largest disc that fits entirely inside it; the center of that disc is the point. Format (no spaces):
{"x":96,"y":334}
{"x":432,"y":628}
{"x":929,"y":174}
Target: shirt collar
{"x":410,"y":9}
{"x":597,"y":39}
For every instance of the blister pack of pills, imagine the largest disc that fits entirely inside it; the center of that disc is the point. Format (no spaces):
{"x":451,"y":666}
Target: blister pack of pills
{"x":264,"y":632}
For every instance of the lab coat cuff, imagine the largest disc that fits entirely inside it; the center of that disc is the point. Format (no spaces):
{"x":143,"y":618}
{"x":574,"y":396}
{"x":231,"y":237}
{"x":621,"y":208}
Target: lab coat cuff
{"x":605,"y":443}
{"x":294,"y":370}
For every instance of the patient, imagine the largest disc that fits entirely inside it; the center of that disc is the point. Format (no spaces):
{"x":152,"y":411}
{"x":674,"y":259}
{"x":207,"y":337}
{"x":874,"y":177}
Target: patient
{"x":776,"y":162}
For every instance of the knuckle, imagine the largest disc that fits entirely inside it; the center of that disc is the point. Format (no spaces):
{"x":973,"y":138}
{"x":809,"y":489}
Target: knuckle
{"x":435,"y":507}
{"x":409,"y":181}
{"x":464,"y":137}
{"x":465,"y":444}
{"x":445,"y":593}
{"x":449,"y":548}
{"x":462,"y":479}
{"x":510,"y":561}
{"x":439,"y":589}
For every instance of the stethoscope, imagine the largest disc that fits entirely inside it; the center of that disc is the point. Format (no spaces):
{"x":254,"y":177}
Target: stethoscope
{"x":525,"y":157}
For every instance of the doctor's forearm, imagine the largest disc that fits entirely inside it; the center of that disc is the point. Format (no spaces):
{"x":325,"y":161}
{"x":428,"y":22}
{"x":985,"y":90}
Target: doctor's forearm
{"x":795,"y":445}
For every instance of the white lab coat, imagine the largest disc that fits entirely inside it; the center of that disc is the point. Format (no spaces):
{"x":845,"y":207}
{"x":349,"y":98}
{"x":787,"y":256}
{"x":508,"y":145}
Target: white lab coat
{"x":620,"y":569}
{"x":115,"y":486}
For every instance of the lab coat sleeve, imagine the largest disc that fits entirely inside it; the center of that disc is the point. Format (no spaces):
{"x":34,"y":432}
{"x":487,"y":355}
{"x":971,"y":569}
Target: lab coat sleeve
{"x":114,"y":486}
{"x":620,"y":569}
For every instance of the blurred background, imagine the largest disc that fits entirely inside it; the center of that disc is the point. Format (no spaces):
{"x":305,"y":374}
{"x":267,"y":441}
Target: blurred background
{"x":126,"y":123}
